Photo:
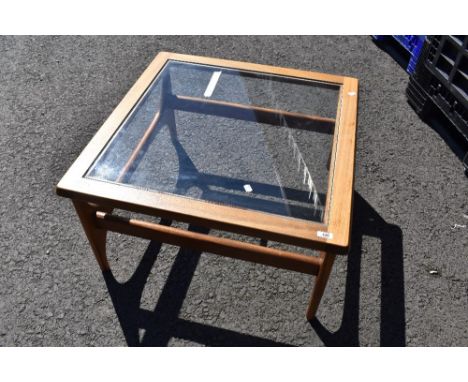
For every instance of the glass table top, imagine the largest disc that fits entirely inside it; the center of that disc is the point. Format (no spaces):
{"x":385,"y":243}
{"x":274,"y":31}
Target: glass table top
{"x":244,"y":139}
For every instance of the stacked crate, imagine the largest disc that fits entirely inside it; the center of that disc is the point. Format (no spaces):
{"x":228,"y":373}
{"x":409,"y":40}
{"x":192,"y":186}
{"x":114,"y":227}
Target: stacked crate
{"x":412,"y":44}
{"x":441,"y":80}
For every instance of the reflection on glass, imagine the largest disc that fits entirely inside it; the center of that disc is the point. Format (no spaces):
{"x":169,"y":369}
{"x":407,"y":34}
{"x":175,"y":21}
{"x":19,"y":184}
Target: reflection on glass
{"x":243,"y":139}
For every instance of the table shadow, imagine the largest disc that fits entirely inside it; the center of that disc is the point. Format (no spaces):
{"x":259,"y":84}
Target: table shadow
{"x":433,"y":117}
{"x":395,"y":50}
{"x":163,"y":323}
{"x":367,"y":222}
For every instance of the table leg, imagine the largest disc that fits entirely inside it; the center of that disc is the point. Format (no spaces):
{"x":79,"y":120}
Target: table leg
{"x":320,"y":283}
{"x":96,"y":236}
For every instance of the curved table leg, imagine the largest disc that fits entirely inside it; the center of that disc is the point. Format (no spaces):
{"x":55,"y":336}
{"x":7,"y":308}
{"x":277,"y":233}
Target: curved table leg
{"x":96,"y":236}
{"x":320,"y":283}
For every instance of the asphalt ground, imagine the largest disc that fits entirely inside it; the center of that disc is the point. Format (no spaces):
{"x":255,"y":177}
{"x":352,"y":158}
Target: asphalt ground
{"x":410,"y":190}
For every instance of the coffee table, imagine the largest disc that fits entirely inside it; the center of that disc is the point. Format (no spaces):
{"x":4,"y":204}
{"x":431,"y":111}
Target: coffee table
{"x":242,"y":148}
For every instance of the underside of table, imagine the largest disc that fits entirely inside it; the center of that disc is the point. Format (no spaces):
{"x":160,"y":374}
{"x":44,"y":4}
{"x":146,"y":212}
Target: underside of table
{"x":97,"y":221}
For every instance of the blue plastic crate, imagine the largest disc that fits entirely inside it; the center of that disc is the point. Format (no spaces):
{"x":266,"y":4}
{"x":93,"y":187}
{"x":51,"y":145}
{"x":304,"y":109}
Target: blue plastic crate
{"x":411,"y":43}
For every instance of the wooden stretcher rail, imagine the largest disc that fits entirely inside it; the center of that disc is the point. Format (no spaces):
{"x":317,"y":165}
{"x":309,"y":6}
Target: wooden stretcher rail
{"x":252,"y":113}
{"x":230,"y":110}
{"x":207,"y":243}
{"x":128,"y":165}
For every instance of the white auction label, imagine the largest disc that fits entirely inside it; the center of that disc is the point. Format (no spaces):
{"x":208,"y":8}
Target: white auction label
{"x":325,"y":235}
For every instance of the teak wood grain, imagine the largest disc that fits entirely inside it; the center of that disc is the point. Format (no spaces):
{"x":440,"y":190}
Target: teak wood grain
{"x":273,"y":227}
{"x":95,"y":199}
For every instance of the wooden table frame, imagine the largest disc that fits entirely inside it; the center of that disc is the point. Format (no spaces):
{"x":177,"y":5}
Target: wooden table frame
{"x":94,"y":200}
